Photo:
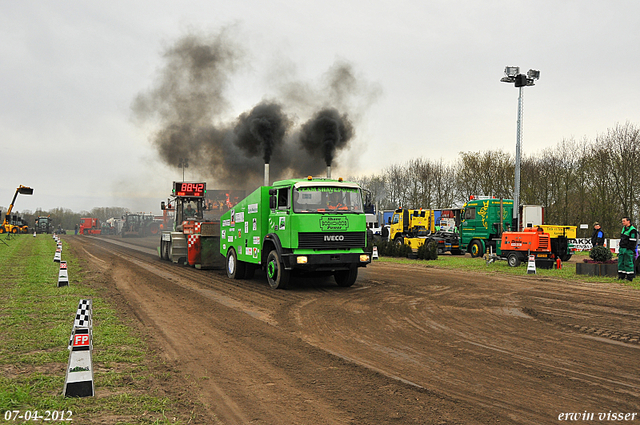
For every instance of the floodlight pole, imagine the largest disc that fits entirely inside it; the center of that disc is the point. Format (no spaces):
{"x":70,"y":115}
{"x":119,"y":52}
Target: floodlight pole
{"x":512,"y":75}
{"x":516,"y":195}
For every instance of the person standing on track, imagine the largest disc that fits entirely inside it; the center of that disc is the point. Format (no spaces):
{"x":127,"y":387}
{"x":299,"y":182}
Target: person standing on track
{"x":597,"y":239}
{"x":628,"y":241}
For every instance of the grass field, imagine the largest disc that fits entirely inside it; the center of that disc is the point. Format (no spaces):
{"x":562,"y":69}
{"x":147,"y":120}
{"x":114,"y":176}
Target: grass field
{"x":35,"y":325}
{"x":458,"y":262}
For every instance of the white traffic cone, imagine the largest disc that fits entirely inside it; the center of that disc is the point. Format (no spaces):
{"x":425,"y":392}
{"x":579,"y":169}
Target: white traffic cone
{"x":531,"y":266}
{"x":63,"y":276}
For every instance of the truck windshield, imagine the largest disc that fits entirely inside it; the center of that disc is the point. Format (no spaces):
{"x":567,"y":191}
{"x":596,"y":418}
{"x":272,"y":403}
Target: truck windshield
{"x":327,"y":199}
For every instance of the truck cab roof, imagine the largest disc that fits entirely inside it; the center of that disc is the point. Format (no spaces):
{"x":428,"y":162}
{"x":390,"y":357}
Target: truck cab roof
{"x":315,"y":182}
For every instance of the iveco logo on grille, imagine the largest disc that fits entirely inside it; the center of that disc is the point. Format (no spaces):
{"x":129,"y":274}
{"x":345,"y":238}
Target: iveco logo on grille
{"x":333,"y":238}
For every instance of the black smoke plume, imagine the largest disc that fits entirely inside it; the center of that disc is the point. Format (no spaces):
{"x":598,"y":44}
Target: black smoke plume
{"x":188,"y":106}
{"x":326,"y":133}
{"x":262,"y":130}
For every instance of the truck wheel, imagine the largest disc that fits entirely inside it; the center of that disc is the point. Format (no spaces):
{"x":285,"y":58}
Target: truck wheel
{"x":14,"y":230}
{"x":346,"y":278}
{"x":513,"y":259}
{"x":399,"y":241}
{"x":277,"y":276}
{"x":235,"y":268}
{"x":565,"y":257}
{"x":475,"y":249}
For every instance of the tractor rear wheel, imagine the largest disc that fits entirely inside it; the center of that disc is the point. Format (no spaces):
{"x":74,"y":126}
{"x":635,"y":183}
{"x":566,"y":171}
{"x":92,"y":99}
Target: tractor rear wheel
{"x":164,"y":249}
{"x":14,"y":230}
{"x":153,"y":229}
{"x":2,"y":230}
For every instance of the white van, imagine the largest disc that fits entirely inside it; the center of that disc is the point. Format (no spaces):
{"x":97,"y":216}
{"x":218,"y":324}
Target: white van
{"x":372,"y":224}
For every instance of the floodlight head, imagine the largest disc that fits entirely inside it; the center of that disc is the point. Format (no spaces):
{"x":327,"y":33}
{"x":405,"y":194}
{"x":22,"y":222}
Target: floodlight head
{"x":533,"y":74}
{"x":512,"y":71}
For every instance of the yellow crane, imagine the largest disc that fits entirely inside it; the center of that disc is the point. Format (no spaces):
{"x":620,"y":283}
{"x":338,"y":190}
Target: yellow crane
{"x":6,"y":226}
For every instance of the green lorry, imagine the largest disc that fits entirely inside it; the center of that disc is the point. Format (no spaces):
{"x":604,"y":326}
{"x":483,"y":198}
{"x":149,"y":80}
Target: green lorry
{"x":315,"y":225}
{"x":482,"y":222}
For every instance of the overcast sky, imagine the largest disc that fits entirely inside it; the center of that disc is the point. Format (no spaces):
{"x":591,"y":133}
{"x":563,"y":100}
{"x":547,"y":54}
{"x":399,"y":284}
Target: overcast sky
{"x":70,"y":70}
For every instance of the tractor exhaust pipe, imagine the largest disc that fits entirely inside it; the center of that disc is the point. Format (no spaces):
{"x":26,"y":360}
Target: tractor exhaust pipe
{"x":328,"y":171}
{"x":266,"y":174}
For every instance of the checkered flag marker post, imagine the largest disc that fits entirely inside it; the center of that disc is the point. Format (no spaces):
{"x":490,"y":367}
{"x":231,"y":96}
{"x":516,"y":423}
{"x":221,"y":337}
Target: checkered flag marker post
{"x":79,"y":379}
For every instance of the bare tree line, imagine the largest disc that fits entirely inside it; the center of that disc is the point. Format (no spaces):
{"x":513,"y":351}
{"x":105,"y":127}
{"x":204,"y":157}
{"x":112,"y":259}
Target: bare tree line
{"x":67,"y":218}
{"x":576,"y":181}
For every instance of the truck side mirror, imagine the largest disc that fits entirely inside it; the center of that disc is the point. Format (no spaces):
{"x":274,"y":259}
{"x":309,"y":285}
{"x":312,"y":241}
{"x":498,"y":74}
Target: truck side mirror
{"x":162,"y":207}
{"x":388,"y":220}
{"x":273,"y":201}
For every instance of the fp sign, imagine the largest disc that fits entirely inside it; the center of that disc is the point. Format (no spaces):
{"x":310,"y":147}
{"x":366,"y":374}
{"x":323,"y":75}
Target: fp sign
{"x":81,"y":340}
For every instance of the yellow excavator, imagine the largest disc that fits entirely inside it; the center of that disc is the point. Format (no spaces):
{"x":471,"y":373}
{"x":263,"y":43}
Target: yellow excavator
{"x":6,"y":226}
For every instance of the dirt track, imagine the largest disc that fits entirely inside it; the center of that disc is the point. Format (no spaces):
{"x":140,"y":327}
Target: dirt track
{"x":405,"y":344}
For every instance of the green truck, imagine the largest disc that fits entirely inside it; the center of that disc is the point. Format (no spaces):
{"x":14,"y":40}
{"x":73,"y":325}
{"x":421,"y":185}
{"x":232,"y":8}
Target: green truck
{"x":482,"y":222}
{"x":315,"y":225}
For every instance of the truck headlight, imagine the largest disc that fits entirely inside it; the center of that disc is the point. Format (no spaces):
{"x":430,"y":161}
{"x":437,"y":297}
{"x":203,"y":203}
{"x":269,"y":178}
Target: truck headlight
{"x":301,"y":260}
{"x":364,"y":258}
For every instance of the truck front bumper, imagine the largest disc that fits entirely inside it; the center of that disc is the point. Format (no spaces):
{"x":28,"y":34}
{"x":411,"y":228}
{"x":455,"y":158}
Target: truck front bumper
{"x":325,"y":262}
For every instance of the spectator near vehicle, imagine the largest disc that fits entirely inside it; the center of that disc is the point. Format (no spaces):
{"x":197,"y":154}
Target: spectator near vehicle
{"x":597,"y":238}
{"x":628,"y":242}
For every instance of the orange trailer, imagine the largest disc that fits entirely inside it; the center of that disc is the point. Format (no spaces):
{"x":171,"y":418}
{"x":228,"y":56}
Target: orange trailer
{"x":515,"y":247}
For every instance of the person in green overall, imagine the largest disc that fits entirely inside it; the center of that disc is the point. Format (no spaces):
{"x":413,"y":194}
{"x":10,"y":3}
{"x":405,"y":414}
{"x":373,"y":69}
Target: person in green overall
{"x":628,"y":241}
